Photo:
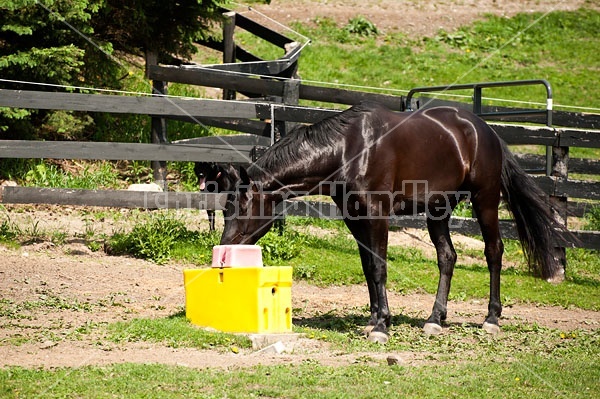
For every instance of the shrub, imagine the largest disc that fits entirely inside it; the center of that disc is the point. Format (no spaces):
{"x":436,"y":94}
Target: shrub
{"x":153,"y":239}
{"x":278,"y":248}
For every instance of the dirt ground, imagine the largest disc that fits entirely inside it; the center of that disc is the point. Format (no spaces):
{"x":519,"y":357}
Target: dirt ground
{"x":121,"y":288}
{"x":83,"y":288}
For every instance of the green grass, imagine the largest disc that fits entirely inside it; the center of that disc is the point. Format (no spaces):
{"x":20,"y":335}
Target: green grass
{"x":160,"y":237}
{"x":467,"y":342}
{"x":332,"y":258}
{"x":526,"y":358}
{"x":525,"y":361}
{"x":526,"y":376}
{"x":175,"y":332}
{"x":560,"y":47}
{"x":335,"y":261}
{"x":88,"y":176}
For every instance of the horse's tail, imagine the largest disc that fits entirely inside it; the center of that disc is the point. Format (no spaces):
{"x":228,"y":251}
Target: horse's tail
{"x":538,"y":230}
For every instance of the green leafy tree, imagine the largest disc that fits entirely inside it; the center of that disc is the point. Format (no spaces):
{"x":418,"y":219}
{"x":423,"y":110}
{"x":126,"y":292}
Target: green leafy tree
{"x":80,"y":43}
{"x":168,"y":28}
{"x":36,"y":45}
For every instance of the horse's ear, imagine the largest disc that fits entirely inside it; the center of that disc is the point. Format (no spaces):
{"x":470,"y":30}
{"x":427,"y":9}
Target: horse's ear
{"x":244,"y":176}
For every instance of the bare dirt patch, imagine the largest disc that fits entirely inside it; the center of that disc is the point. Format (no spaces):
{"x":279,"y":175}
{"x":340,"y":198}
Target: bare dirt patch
{"x":413,"y":18}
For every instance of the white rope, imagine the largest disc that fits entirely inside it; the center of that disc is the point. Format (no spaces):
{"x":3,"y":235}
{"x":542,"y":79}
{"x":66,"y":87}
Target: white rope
{"x":138,"y":93}
{"x":563,"y":106}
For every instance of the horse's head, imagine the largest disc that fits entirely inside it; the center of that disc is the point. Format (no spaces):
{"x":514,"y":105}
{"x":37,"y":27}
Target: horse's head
{"x":248,"y":213}
{"x":203,"y":172}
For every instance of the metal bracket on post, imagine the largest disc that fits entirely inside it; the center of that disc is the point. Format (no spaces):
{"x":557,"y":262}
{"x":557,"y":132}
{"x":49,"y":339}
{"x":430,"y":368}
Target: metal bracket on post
{"x":477,"y":99}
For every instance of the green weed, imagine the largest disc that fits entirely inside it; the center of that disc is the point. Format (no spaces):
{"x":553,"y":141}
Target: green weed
{"x":361,"y":26}
{"x":152,"y":239}
{"x":46,"y":299}
{"x":58,"y":237}
{"x":139,"y":171}
{"x":187,"y":179}
{"x":163,"y":237}
{"x":521,"y":376}
{"x":592,"y":219}
{"x":280,"y":248}
{"x":90,"y":176}
{"x":197,"y":247}
{"x":9,"y":231}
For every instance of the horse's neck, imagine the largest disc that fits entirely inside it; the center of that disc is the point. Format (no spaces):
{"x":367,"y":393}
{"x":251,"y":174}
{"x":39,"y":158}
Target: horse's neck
{"x":298,"y":180}
{"x":298,"y":163}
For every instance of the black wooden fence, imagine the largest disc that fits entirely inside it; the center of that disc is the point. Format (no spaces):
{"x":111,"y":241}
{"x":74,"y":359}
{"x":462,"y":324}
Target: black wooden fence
{"x":237,"y":149}
{"x":258,"y":116}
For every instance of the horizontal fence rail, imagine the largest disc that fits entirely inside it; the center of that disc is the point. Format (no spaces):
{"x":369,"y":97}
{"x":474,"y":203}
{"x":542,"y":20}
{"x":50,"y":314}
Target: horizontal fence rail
{"x":125,"y":151}
{"x":200,"y":201}
{"x":112,"y":198}
{"x":160,"y":106}
{"x":238,"y":149}
{"x":266,"y":87}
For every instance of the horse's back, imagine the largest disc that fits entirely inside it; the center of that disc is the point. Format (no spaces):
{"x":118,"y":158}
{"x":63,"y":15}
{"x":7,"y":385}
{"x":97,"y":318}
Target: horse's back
{"x":447,"y":147}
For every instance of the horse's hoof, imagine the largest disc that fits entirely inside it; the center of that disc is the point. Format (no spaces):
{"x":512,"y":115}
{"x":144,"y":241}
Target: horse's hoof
{"x":367,"y":330}
{"x":432,"y":329}
{"x":558,"y":278}
{"x":491,"y":328}
{"x":378,"y":337}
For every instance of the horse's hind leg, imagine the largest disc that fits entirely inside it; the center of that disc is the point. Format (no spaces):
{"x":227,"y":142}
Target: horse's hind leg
{"x":487,"y":216}
{"x":371,"y":237}
{"x":439,"y":233}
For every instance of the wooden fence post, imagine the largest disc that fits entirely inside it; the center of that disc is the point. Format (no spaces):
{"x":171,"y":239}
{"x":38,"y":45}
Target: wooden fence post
{"x":558,"y":201}
{"x":228,"y":48}
{"x":291,"y":96}
{"x":158,"y":125}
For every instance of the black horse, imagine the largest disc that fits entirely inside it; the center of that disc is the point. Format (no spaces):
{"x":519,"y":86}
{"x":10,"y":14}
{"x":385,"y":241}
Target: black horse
{"x":215,"y":178}
{"x":375,"y":163}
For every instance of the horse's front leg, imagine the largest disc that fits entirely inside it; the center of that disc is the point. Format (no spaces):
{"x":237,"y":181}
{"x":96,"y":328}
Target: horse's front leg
{"x":211,"y":220}
{"x":373,"y":297}
{"x":446,"y":258}
{"x":371,"y":237}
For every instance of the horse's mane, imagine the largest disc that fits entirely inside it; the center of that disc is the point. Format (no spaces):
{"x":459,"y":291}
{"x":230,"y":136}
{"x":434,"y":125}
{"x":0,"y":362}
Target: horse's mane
{"x":306,"y":142}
